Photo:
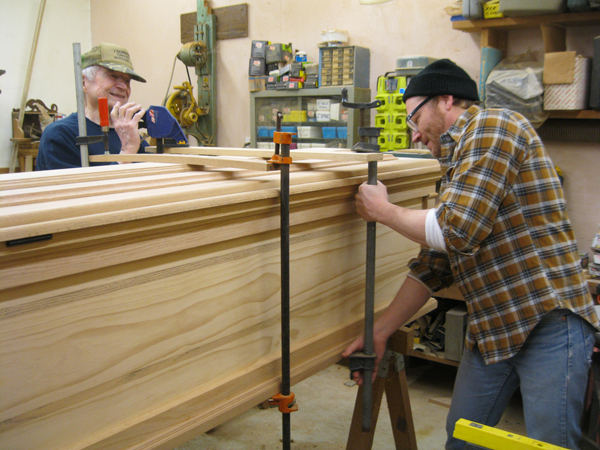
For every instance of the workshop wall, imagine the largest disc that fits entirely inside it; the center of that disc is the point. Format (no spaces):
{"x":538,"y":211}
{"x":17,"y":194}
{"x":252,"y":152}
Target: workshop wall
{"x":579,"y":165}
{"x":150,"y":30}
{"x":52,"y":77}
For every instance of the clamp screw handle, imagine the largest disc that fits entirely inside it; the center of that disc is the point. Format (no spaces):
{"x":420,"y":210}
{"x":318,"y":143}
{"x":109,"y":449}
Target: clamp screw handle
{"x":347,"y":104}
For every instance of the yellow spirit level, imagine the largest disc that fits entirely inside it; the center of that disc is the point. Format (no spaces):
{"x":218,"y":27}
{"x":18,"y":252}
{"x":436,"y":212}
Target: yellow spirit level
{"x":495,"y":439}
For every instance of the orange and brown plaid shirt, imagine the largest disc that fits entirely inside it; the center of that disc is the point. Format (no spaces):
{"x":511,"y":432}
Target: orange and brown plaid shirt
{"x":511,"y":248}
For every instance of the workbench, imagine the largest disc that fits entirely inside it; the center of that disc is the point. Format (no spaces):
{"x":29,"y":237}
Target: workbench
{"x":139,"y":303}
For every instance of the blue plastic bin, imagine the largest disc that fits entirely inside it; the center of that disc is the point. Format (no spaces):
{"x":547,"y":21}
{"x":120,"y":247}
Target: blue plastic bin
{"x":290,"y":130}
{"x":329,"y":132}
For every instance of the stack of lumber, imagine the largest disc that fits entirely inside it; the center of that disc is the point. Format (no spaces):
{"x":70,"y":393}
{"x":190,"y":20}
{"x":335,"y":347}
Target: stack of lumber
{"x":140,"y":303}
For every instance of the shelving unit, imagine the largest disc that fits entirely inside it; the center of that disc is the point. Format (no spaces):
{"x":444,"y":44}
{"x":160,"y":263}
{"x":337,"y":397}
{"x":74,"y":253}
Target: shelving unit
{"x":421,"y":351}
{"x":438,"y":357}
{"x":263,"y":104}
{"x":494,"y":33}
{"x":516,"y":23}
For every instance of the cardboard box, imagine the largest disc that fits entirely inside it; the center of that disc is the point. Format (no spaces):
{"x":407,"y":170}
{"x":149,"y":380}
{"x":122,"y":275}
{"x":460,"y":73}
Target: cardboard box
{"x":276,"y":53}
{"x":309,"y":132}
{"x":517,"y":8}
{"x":294,"y":85}
{"x":259,"y":49}
{"x":323,"y":104}
{"x":335,"y":111}
{"x":323,"y":116}
{"x":257,"y":67}
{"x":456,"y":328}
{"x":566,"y":81}
{"x":257,"y":83}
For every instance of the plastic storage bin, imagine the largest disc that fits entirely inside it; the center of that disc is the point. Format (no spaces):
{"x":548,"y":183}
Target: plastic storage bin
{"x":581,"y":5}
{"x":491,"y":10}
{"x":329,"y":132}
{"x":309,"y":132}
{"x":531,"y":7}
{"x":391,"y":115}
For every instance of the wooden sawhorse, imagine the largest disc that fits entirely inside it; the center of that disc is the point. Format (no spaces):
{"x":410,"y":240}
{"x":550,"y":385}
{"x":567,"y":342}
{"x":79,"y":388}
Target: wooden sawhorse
{"x":390,"y":379}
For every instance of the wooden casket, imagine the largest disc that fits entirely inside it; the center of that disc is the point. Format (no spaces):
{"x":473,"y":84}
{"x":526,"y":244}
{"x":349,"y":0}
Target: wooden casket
{"x":140,"y":303}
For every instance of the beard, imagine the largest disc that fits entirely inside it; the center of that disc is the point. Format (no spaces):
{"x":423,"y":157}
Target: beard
{"x":433,"y":131}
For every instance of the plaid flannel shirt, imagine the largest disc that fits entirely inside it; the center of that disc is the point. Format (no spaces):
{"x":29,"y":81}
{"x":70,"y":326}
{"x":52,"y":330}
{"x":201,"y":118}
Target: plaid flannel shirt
{"x":511,"y":248}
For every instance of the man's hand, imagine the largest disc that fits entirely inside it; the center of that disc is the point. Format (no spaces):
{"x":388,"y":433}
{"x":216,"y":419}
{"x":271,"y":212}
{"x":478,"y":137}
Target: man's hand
{"x":379,"y":344}
{"x":125,"y":119}
{"x":372,"y":201}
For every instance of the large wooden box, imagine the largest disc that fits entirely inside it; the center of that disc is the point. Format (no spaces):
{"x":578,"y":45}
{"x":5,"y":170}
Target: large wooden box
{"x":149,"y":309}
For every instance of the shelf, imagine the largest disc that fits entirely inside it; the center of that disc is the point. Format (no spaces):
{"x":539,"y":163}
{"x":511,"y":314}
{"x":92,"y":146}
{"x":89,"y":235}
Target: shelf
{"x":430,"y":356}
{"x":515,"y":23}
{"x":341,"y":123}
{"x":494,"y":33}
{"x":296,"y":138}
{"x":553,"y":27}
{"x":263,"y":104}
{"x":326,"y":91}
{"x":575,"y":114}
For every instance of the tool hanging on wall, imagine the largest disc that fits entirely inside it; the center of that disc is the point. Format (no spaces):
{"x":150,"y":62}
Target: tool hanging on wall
{"x":183,"y":106}
{"x":198,"y":118}
{"x":365,"y":361}
{"x":182,"y":103}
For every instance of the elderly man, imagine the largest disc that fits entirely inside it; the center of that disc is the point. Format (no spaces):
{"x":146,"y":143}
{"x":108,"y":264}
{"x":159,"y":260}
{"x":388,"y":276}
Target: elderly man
{"x":107,"y":72}
{"x":500,"y":233}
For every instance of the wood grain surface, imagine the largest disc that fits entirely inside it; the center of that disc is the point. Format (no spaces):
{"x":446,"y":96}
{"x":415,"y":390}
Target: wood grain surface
{"x":152,"y":314}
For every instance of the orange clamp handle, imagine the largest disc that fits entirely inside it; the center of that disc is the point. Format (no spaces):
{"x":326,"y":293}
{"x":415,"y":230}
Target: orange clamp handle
{"x":286,"y":403}
{"x":103,"y":110}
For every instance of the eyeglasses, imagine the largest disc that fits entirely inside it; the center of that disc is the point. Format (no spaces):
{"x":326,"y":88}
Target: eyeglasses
{"x":413,"y":126}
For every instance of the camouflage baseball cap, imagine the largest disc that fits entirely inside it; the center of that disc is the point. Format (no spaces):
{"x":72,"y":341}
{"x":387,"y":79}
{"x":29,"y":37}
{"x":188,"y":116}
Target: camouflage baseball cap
{"x":112,"y":57}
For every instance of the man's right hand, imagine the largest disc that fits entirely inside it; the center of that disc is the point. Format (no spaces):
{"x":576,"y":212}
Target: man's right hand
{"x":372,"y":201}
{"x":125,"y":119}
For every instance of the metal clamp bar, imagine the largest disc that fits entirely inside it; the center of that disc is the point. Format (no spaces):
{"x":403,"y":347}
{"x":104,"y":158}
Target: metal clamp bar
{"x":83,"y":149}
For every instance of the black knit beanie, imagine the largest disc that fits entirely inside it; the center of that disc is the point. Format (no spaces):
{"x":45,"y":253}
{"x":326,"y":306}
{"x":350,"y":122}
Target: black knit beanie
{"x":442,"y":77}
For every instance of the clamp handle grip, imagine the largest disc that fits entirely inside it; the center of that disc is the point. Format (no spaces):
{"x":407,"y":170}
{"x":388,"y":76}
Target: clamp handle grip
{"x":103,"y":110}
{"x":347,"y":104}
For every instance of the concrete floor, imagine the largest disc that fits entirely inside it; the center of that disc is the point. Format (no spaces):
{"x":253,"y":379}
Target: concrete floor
{"x":326,"y":403}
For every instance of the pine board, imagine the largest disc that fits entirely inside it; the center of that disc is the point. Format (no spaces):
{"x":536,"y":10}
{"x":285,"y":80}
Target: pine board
{"x":323,"y":154}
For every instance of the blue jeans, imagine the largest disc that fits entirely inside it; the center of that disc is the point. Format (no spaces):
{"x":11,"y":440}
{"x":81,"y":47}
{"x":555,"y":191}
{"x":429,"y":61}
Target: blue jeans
{"x":551,"y":370}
